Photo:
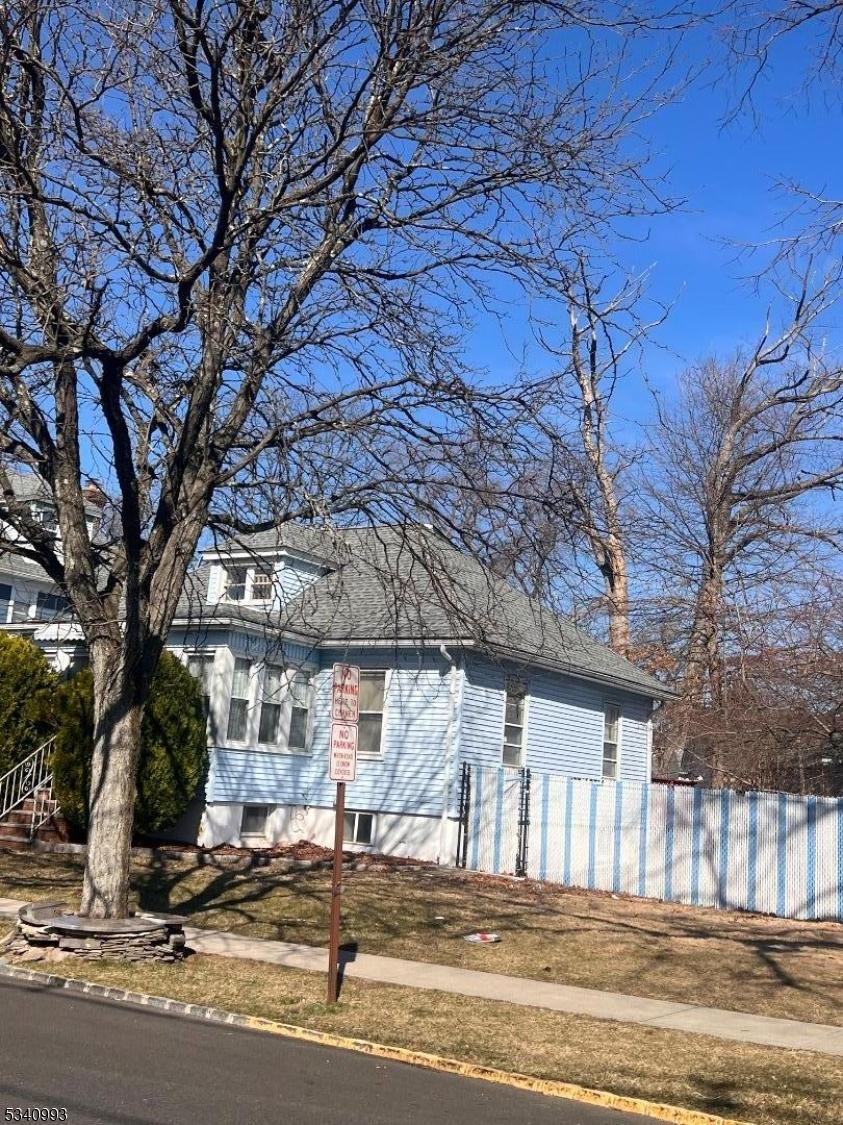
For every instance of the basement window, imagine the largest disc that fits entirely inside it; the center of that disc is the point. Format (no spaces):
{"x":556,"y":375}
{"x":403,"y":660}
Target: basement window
{"x":253,"y":821}
{"x":358,"y":828}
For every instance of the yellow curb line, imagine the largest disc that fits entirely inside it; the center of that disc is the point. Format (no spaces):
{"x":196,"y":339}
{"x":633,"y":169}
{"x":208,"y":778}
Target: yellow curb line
{"x":547,"y":1086}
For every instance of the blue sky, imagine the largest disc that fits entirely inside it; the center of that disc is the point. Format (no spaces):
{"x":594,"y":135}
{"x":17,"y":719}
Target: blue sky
{"x":728,"y":175}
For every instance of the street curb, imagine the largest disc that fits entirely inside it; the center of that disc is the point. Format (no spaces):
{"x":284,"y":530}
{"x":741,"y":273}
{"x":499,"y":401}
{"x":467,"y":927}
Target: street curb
{"x":548,"y":1087}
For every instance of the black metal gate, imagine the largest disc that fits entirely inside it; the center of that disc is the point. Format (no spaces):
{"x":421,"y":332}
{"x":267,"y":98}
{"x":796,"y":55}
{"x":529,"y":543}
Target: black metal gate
{"x":465,"y":822}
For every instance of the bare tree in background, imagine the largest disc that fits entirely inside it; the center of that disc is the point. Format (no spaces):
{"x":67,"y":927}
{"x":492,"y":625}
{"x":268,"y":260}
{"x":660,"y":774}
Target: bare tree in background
{"x":755,"y":31}
{"x":606,"y":331}
{"x":755,"y":34}
{"x":232,"y":232}
{"x":569,"y":520}
{"x":736,"y":461}
{"x":779,"y":723}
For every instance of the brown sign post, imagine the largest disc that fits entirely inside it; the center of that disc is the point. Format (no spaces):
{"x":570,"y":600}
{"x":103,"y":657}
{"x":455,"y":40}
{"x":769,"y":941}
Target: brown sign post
{"x":345,"y":710}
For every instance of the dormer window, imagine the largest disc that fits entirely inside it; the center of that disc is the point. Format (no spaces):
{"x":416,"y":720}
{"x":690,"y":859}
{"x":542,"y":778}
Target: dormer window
{"x":244,"y":583}
{"x":235,"y":584}
{"x":263,"y":578}
{"x":45,"y":514}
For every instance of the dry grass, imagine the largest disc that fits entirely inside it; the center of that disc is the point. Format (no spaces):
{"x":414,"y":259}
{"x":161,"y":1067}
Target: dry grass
{"x":763,"y":1085}
{"x":716,"y":958}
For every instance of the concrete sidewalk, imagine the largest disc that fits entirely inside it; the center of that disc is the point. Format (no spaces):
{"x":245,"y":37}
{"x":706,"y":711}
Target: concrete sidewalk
{"x":740,"y":1027}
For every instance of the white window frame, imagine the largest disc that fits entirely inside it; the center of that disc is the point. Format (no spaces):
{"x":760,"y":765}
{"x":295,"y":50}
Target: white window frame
{"x":306,"y":749}
{"x":210,"y":655}
{"x":251,"y":570}
{"x":279,"y":703}
{"x":250,"y":703}
{"x":252,"y":573}
{"x":270,"y":809}
{"x":607,"y":703}
{"x":227,"y":583}
{"x":365,"y":755}
{"x":10,"y":606}
{"x":512,"y":681}
{"x":356,"y":814}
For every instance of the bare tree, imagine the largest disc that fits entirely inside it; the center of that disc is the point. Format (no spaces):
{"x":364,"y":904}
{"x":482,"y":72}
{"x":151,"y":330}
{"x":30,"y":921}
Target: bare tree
{"x":233,"y":233}
{"x":734,"y":464}
{"x":606,"y":332}
{"x":754,"y":32}
{"x":779,"y":723}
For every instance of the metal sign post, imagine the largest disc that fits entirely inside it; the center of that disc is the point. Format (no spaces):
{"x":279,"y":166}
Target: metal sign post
{"x":336,"y":894}
{"x":345,"y":710}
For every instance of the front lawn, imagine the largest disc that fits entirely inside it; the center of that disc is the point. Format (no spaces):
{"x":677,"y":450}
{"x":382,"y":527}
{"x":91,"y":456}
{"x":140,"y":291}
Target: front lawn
{"x":716,"y":958}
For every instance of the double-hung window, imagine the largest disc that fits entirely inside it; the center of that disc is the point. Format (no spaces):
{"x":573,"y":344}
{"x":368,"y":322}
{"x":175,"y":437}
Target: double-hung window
{"x":235,"y":583}
{"x":611,"y":740}
{"x":201,"y":667}
{"x":238,"y":708}
{"x":273,"y":689}
{"x":49,"y":605}
{"x":370,"y":721}
{"x":513,"y":730}
{"x":299,"y":711}
{"x":263,"y":582}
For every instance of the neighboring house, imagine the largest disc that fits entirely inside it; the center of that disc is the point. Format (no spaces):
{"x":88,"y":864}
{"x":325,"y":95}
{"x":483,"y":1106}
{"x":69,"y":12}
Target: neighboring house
{"x":28,"y":596}
{"x":457,"y":667}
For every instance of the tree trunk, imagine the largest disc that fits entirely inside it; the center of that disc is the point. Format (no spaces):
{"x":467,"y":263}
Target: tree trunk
{"x":617,"y":596}
{"x":702,"y":685}
{"x":118,"y":712}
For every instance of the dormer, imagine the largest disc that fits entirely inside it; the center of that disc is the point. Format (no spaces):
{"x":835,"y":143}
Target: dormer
{"x":269,"y":580}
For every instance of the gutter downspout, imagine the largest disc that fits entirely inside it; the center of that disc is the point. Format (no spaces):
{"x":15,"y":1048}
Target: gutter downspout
{"x":450,"y":755}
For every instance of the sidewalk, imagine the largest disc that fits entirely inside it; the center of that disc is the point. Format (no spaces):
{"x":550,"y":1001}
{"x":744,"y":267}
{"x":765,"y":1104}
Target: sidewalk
{"x":722,"y":1024}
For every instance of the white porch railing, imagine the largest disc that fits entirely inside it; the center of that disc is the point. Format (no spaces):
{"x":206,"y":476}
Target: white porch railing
{"x":30,"y":778}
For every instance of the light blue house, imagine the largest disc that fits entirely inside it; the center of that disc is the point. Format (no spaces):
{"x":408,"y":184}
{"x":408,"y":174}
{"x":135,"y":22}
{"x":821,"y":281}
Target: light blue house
{"x":456,"y":667}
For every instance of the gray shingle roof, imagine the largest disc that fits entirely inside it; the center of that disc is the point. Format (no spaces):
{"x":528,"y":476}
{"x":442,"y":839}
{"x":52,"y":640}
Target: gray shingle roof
{"x":390,"y":584}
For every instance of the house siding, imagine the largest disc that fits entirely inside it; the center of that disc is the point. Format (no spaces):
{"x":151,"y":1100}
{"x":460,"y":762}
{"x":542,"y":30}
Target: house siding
{"x":410,"y":775}
{"x":564,"y":731}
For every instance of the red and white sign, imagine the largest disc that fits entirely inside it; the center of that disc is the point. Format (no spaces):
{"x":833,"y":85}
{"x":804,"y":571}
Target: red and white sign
{"x":345,"y":693}
{"x":343,"y":752}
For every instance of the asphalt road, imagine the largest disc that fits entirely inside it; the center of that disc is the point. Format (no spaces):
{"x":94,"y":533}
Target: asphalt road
{"x":112,"y":1063}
